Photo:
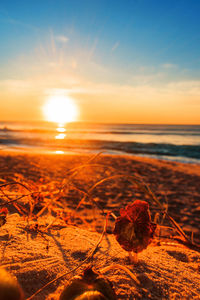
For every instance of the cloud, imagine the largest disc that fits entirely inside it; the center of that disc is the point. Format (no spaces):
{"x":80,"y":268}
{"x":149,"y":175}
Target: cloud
{"x":146,"y":78}
{"x":186,"y":88}
{"x":115,"y":46}
{"x":183,"y":91}
{"x":171,"y":95}
{"x":14,"y":85}
{"x":6,"y":18}
{"x":169,"y":66}
{"x":92,"y":49}
{"x":61,"y":38}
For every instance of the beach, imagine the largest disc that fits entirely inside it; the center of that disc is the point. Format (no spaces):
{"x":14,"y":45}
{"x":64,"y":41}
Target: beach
{"x":69,"y":223}
{"x":100,"y":150}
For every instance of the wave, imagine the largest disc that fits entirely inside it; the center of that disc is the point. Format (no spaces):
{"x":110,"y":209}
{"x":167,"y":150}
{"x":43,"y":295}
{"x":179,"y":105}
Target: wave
{"x":7,"y":130}
{"x":190,"y":151}
{"x":151,"y":140}
{"x":158,"y":149}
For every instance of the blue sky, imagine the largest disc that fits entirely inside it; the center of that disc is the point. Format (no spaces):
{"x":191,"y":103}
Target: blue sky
{"x":102,"y":45}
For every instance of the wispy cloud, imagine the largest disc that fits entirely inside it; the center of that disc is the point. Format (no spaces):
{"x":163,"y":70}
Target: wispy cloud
{"x":169,"y":66}
{"x":6,"y":18}
{"x":115,"y":46}
{"x":14,"y":85}
{"x":93,"y":49}
{"x":61,"y":38}
{"x":147,"y":79}
{"x":186,"y":87}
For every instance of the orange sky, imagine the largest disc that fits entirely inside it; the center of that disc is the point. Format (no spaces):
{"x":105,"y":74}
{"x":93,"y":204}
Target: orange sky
{"x":168,"y":104}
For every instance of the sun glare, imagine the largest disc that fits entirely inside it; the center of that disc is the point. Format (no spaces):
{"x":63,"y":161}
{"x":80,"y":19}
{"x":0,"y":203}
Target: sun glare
{"x":60,"y":109}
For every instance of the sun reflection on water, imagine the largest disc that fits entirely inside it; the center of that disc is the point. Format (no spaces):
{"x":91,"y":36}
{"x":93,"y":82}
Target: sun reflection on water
{"x":60,"y":136}
{"x":61,"y":131}
{"x":59,"y":152}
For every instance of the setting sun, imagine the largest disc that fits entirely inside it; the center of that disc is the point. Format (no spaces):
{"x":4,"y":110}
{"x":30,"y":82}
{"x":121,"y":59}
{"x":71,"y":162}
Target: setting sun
{"x":60,"y":109}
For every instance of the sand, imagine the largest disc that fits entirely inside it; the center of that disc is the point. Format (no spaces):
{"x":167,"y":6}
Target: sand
{"x":167,"y":269}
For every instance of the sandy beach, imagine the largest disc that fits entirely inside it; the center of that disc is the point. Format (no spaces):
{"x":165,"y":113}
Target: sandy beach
{"x":53,"y":225}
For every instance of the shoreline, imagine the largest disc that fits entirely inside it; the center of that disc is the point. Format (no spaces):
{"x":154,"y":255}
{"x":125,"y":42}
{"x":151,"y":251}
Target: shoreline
{"x":77,"y":151}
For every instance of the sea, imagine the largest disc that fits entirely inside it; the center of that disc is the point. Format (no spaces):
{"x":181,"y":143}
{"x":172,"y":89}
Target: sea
{"x":168,"y":142}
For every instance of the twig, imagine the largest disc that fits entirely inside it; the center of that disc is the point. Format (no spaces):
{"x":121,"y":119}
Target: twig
{"x":16,"y":199}
{"x":20,"y":209}
{"x":13,"y":183}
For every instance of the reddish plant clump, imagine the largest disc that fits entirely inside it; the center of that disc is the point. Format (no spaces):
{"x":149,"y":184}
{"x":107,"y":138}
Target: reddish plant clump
{"x":133,"y":229}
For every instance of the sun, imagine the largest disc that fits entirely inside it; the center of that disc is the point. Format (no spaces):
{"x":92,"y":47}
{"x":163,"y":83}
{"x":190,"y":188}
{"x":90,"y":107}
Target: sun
{"x":60,"y":109}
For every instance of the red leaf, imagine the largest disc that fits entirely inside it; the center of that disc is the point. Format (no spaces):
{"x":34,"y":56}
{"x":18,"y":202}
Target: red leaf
{"x":134,"y":229}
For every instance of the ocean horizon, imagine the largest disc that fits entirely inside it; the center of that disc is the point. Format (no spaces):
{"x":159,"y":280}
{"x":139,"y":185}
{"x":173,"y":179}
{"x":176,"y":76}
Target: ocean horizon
{"x":170,"y":142}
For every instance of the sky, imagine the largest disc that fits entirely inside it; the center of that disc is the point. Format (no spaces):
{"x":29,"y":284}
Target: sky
{"x":125,"y":61}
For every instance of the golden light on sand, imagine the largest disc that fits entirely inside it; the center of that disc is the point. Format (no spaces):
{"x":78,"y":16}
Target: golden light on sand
{"x":60,"y":109}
